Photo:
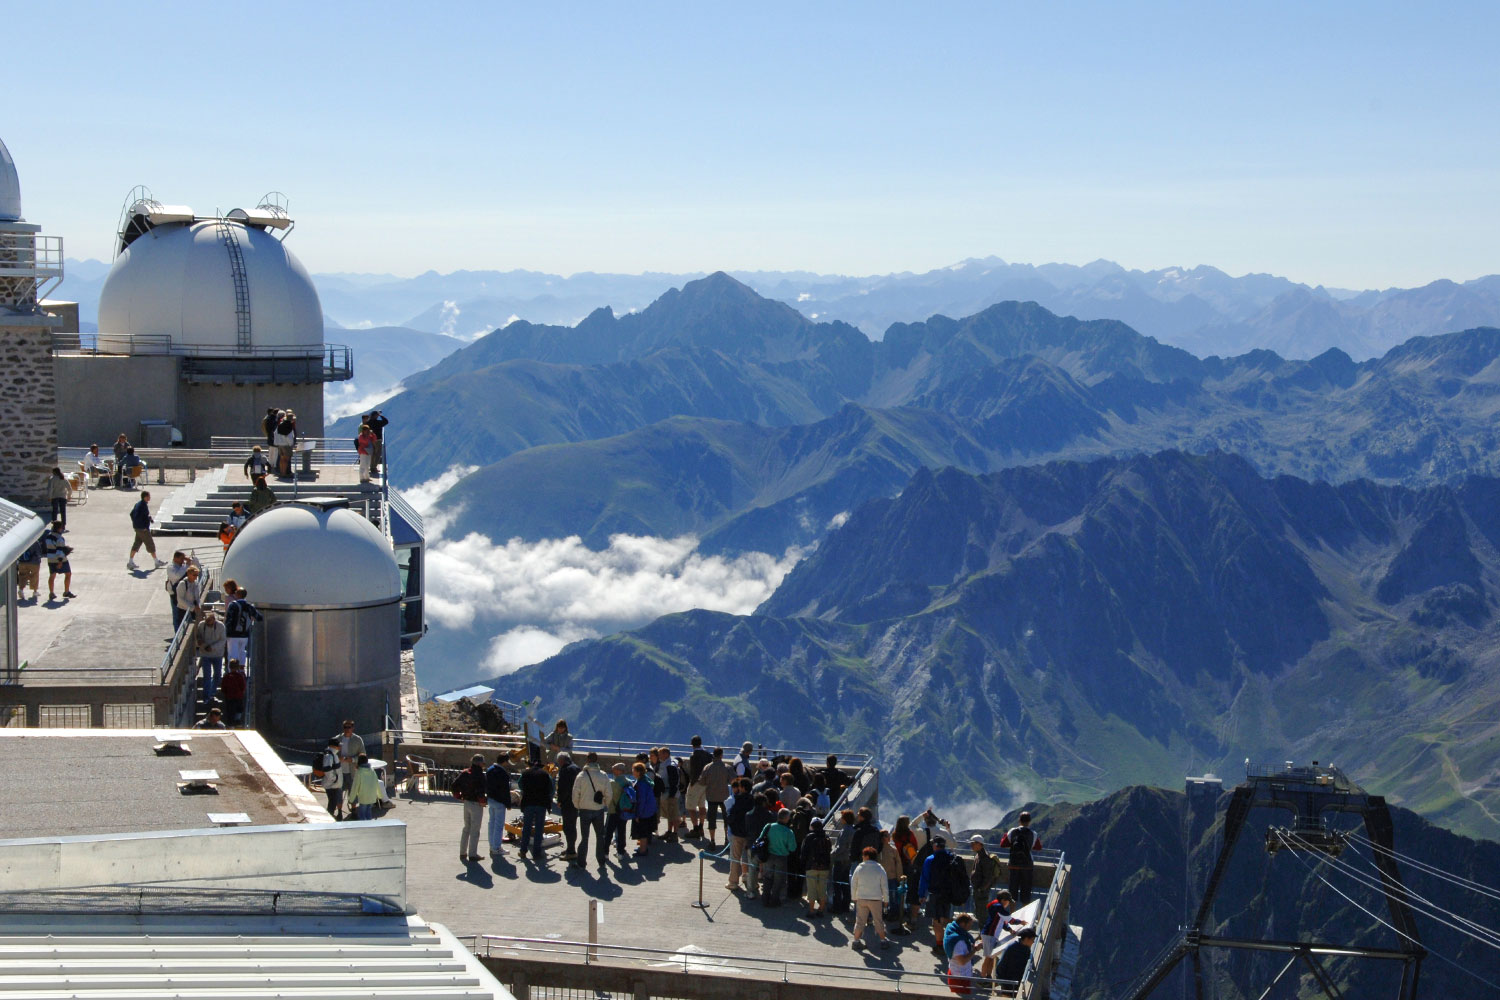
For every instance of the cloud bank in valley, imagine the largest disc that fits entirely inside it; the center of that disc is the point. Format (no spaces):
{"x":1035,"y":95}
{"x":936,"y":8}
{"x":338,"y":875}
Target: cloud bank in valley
{"x":536,"y":597}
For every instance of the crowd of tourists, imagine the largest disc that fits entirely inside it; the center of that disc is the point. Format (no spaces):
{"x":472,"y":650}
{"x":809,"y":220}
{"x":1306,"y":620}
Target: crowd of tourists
{"x":783,"y":842}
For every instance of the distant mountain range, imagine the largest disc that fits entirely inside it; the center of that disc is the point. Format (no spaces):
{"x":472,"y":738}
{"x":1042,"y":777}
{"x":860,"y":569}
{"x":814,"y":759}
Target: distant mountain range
{"x":1134,"y":854}
{"x":1201,"y":309}
{"x":721,"y":413}
{"x":1068,"y":629}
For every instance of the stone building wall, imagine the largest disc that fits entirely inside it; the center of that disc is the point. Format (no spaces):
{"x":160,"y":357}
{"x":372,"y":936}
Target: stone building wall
{"x":28,"y":409}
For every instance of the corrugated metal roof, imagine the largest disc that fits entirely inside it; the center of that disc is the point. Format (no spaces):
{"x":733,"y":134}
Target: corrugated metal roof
{"x":206,"y":957}
{"x":19,"y":527}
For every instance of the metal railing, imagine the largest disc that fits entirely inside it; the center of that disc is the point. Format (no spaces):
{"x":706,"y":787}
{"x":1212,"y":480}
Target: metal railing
{"x":324,"y":363}
{"x":324,"y":451}
{"x":1044,"y":929}
{"x":700,"y":962}
{"x":24,"y":255}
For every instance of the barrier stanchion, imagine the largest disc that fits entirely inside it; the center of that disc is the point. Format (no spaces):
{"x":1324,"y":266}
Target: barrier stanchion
{"x":700,"y":905}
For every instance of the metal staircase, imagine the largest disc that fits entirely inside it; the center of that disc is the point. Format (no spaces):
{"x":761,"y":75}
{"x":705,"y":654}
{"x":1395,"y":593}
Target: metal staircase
{"x":231,"y":241}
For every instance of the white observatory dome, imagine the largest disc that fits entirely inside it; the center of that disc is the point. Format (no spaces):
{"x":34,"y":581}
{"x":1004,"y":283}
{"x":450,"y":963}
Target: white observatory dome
{"x":10,"y":188}
{"x":302,"y":556}
{"x":178,"y":280}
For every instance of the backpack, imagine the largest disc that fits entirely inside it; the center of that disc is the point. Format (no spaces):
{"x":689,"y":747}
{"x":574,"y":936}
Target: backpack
{"x":956,"y":880}
{"x":658,"y":786}
{"x":627,"y":802}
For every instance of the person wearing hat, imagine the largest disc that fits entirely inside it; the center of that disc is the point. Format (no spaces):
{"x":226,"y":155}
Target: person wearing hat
{"x":997,"y":924}
{"x":1015,"y":956}
{"x":214,"y":720}
{"x":986,"y":872}
{"x":817,"y":862}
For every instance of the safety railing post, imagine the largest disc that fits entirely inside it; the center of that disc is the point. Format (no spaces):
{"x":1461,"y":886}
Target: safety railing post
{"x":700,"y":905}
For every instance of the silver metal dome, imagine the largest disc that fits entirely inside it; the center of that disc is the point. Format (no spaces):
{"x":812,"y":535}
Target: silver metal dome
{"x":179,"y":279}
{"x":304,"y":557}
{"x":10,"y":188}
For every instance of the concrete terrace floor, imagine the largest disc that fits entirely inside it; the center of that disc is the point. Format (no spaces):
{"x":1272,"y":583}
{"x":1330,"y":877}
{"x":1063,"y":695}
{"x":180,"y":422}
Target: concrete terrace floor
{"x":646,"y":904}
{"x":115,"y":608}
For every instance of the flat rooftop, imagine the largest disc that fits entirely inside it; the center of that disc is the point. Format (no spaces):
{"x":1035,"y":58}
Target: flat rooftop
{"x":71,"y":782}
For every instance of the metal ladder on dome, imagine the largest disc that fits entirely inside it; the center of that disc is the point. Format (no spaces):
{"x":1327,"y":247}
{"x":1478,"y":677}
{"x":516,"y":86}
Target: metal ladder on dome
{"x":241,"y":283}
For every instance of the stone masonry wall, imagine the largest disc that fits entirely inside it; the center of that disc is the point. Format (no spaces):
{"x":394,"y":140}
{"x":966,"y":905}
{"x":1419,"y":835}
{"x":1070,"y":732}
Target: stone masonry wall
{"x":28,"y":410}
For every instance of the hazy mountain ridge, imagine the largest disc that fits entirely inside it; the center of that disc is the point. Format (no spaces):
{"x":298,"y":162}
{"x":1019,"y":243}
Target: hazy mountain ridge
{"x":1202,"y":309}
{"x":1011,"y":384}
{"x":1077,"y":627}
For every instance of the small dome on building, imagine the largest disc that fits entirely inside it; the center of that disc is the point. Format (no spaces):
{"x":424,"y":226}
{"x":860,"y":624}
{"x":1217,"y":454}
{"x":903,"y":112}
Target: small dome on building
{"x":179,"y":280}
{"x":10,"y":188}
{"x":304,"y":556}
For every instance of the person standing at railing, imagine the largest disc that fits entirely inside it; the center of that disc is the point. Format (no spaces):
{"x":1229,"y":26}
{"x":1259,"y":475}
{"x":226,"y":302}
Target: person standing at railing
{"x":1015,"y":958}
{"x":559,"y":739}
{"x":240,"y":617}
{"x":189,"y":592}
{"x":736,"y":826}
{"x":1021,"y":840}
{"x":997,"y":923}
{"x":210,"y":642}
{"x":958,"y":946}
{"x":376,"y":421}
{"x":176,"y":572}
{"x":497,"y":792}
{"x":986,"y":872}
{"x":232,"y":691}
{"x":364,"y":444}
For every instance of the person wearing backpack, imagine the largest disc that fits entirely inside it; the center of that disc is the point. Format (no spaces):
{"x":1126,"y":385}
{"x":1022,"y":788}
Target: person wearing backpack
{"x":986,"y":872}
{"x":239,"y":617}
{"x":616,"y":800}
{"x":669,"y":786}
{"x":329,"y":773}
{"x":469,"y":788}
{"x":643,"y":808}
{"x":1021,"y":841}
{"x":817,"y":861}
{"x":944,"y":881}
{"x":843,"y":862}
{"x":760,"y":817}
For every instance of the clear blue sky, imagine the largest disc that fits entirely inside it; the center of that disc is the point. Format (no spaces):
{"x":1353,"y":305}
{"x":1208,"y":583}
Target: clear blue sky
{"x":1349,"y":144}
